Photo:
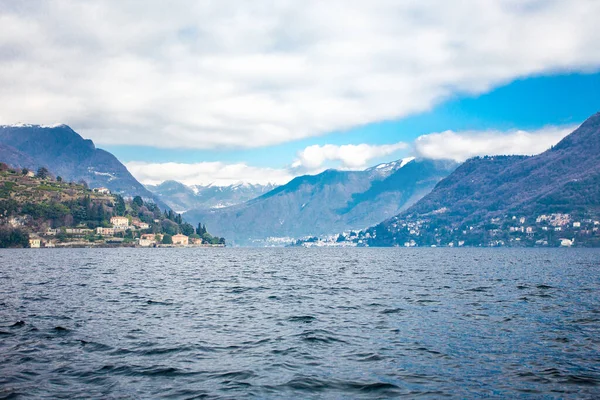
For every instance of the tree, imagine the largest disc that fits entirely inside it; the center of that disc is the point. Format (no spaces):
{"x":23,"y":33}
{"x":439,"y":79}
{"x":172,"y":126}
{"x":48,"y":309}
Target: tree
{"x":138,"y":201}
{"x":200,"y":230}
{"x":42,"y":173}
{"x":10,"y":237}
{"x":119,"y":205}
{"x":207,"y":237}
{"x":24,"y":171}
{"x":169,"y":227}
{"x":59,"y":178}
{"x":167,"y":239}
{"x":8,"y":207}
{"x":187,"y":229}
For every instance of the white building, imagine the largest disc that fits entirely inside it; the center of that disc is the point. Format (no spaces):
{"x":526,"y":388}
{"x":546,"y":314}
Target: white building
{"x":141,"y":225}
{"x":119,"y":222}
{"x":146,"y":242}
{"x":105,"y":231}
{"x":181,"y":240}
{"x":102,"y":190}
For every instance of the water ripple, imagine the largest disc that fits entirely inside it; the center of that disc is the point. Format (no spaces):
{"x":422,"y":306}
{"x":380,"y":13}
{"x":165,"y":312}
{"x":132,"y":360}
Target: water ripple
{"x":284,"y":323}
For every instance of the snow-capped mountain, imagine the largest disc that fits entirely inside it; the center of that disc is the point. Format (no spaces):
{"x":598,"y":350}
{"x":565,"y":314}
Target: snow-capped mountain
{"x":329,"y":202}
{"x":181,"y":197}
{"x":386,"y":169}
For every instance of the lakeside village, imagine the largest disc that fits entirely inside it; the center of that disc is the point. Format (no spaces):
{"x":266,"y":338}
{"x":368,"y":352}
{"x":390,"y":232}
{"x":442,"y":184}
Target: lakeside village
{"x":38,"y":210}
{"x":545,"y":230}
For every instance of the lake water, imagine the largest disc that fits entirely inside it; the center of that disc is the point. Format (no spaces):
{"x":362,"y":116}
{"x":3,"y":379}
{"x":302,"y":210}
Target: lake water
{"x":304,"y":323}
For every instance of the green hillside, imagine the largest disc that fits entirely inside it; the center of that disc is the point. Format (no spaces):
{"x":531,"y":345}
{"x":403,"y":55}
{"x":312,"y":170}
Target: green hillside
{"x":65,"y":213}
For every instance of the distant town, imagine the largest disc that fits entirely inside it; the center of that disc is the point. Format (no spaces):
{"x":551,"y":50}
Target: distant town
{"x":545,"y":230}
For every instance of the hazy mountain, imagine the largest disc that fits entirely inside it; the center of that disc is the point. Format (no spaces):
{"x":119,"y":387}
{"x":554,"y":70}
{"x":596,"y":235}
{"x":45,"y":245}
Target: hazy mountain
{"x":325,"y":203}
{"x":181,"y":197}
{"x":564,"y":179}
{"x":66,"y":153}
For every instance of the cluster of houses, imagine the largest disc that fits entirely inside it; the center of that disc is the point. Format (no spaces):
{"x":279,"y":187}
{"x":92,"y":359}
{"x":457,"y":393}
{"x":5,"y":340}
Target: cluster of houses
{"x":544,"y":230}
{"x":559,"y":223}
{"x":119,"y":224}
{"x":153,"y":240}
{"x":345,"y":239}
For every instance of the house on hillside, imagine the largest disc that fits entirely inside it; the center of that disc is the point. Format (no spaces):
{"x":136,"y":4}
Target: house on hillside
{"x":180,"y":240}
{"x":77,"y":231}
{"x":105,"y":231}
{"x":140,"y":225}
{"x":102,"y":190}
{"x":119,"y":222}
{"x":35,"y":242}
{"x":146,"y":242}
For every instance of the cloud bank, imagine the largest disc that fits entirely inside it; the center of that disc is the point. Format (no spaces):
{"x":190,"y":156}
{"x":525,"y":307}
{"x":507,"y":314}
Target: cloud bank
{"x":460,"y":146}
{"x":456,"y":146}
{"x":240,"y":73}
{"x":349,"y":156}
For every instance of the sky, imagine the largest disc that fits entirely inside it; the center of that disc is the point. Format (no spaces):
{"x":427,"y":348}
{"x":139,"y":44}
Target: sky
{"x":222,"y":92}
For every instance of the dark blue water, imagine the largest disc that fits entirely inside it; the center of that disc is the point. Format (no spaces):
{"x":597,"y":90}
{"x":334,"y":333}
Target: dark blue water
{"x":304,"y":323}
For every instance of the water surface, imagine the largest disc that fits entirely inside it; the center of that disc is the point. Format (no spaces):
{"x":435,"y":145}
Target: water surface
{"x":305,"y":323}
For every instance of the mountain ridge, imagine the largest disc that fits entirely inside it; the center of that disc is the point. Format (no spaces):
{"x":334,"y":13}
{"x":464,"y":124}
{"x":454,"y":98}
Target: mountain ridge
{"x":315,"y":204}
{"x":564,"y":179}
{"x":63,"y":151}
{"x":185,"y":197}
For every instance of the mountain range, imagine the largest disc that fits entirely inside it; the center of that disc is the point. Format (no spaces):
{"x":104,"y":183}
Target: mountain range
{"x":182,"y":197}
{"x":485,"y":193}
{"x":325,"y":203}
{"x":64,"y":152}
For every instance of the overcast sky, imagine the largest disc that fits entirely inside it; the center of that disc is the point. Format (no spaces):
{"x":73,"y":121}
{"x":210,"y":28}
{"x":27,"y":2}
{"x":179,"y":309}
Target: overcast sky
{"x":230,"y":90}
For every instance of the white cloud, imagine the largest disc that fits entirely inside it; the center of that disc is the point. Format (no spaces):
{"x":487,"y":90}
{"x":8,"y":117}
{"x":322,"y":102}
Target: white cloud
{"x":205,"y":173}
{"x":460,"y":146}
{"x":457,"y":146}
{"x":253,"y":73}
{"x":350,"y":156}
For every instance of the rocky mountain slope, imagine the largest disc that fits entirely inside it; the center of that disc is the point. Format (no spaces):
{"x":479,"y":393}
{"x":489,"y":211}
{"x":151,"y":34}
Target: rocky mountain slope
{"x":66,"y":153}
{"x":483,"y":193}
{"x":325,"y":203}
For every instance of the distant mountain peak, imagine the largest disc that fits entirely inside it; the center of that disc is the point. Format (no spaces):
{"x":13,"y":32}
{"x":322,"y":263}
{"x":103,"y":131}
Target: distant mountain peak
{"x":483,"y":196}
{"x":386,"y":169}
{"x":23,"y":125}
{"x":327,"y":202}
{"x":184,"y":197}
